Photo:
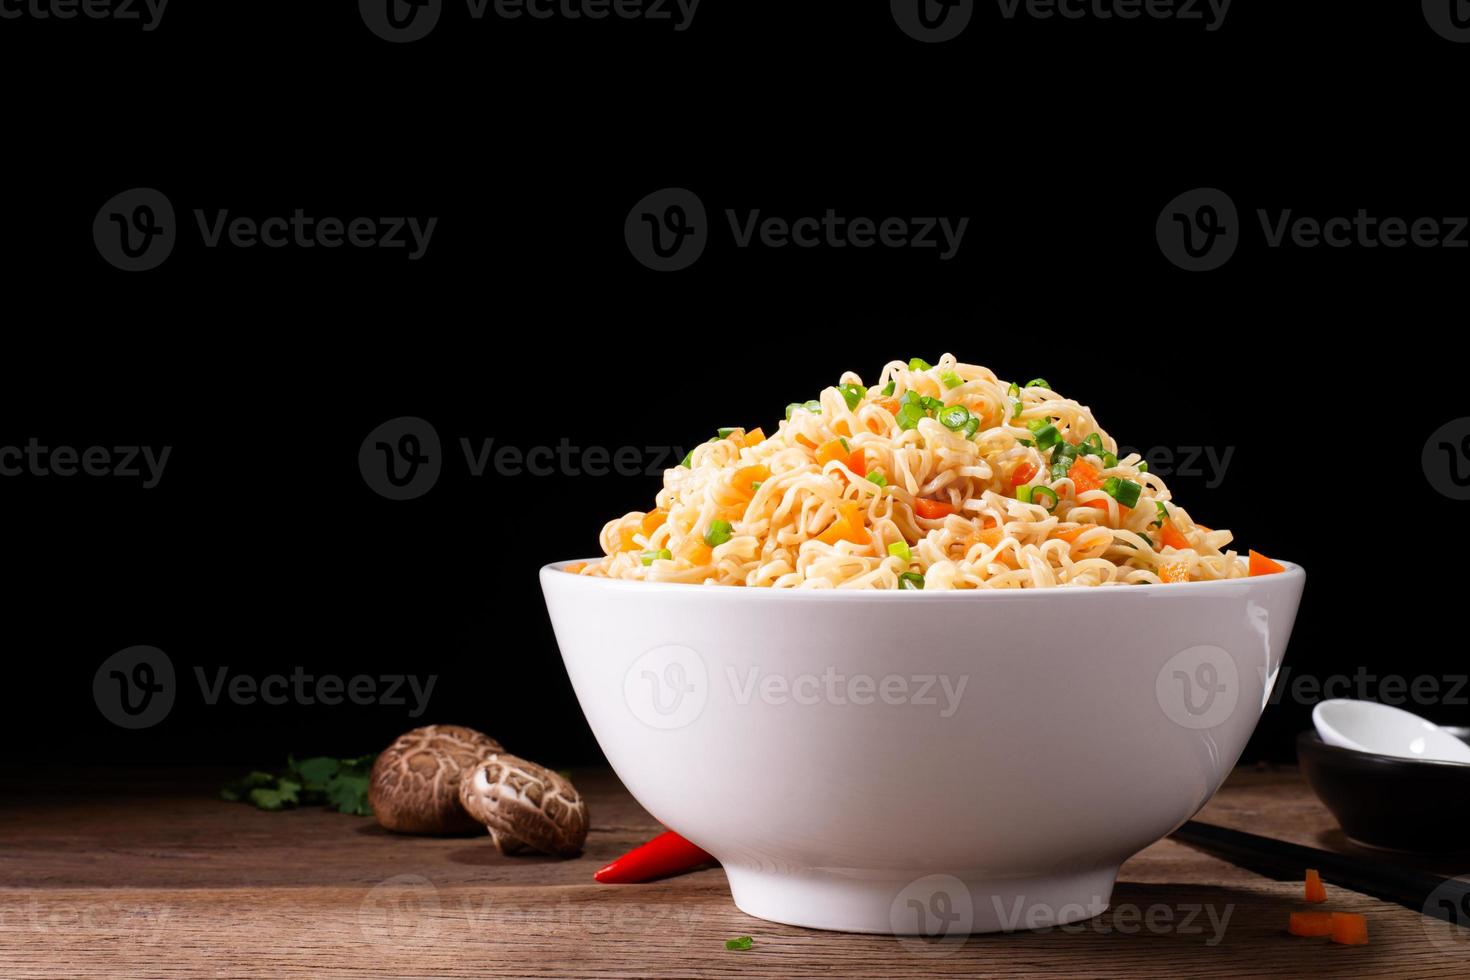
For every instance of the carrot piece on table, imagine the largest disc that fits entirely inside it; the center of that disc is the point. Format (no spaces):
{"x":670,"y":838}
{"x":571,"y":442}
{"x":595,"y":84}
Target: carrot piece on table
{"x":1172,"y":536}
{"x":1349,"y":928}
{"x":1261,"y":565}
{"x":932,"y":510}
{"x":1023,"y":474}
{"x":1085,"y":476}
{"x":1310,"y":924}
{"x":1315,"y":891}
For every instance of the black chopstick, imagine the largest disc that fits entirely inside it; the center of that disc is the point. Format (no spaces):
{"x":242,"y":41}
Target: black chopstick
{"x":1285,"y":861}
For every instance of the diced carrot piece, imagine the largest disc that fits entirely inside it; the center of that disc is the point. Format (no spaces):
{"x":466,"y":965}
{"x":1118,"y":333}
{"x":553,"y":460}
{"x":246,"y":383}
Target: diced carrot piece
{"x":889,"y":403}
{"x":755,"y":437}
{"x":1349,"y":928}
{"x":696,"y":551}
{"x":1072,"y":533}
{"x":1172,"y":536}
{"x":990,"y":536}
{"x":932,"y":510}
{"x":803,"y":440}
{"x":1261,"y":565}
{"x":745,"y":478}
{"x":1315,"y":890}
{"x":575,"y":568}
{"x":1023,"y":474}
{"x":829,"y":451}
{"x":847,"y":527}
{"x":653,"y":520}
{"x":627,"y":533}
{"x":857,"y":463}
{"x":1085,"y":476}
{"x":1310,"y":924}
{"x":1174,"y":571}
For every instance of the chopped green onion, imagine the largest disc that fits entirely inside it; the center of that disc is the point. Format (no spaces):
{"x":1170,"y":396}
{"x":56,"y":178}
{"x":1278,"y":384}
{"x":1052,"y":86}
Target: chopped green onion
{"x":649,"y":557}
{"x":930,"y":403}
{"x":911,"y":397}
{"x":741,"y":942}
{"x":1025,"y":442}
{"x":793,"y":406}
{"x":1145,"y":537}
{"x":726,"y":433}
{"x":685,"y":461}
{"x":919,"y":364}
{"x":1023,"y":494}
{"x":1014,"y":390}
{"x":951,"y":380}
{"x":1109,"y":460}
{"x":852,"y":394}
{"x":1163,"y":514}
{"x":1019,"y":409}
{"x":889,"y":387}
{"x":908,"y":416}
{"x":755,"y":486}
{"x":1124,"y":492}
{"x":1047,"y":434}
{"x":813,"y":406}
{"x":910,"y":580}
{"x":718,"y":533}
{"x":900,"y":549}
{"x":954,"y":417}
{"x":1038,"y":383}
{"x":972,"y":427}
{"x":1142,"y":466}
{"x":845,"y":447}
{"x":877,"y":478}
{"x":1044,"y":492}
{"x":1092,"y":445}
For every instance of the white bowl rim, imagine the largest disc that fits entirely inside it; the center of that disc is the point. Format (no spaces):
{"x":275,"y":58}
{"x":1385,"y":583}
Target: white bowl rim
{"x":1294,"y":572}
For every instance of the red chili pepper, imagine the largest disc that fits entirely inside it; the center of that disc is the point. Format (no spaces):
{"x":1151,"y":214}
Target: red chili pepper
{"x":667,"y":854}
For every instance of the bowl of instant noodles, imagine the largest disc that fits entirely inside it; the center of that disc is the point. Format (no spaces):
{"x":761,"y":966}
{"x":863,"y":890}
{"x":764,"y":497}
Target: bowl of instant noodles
{"x":928,"y":657}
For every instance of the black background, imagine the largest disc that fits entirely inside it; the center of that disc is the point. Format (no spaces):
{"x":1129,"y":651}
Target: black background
{"x":528,"y":321}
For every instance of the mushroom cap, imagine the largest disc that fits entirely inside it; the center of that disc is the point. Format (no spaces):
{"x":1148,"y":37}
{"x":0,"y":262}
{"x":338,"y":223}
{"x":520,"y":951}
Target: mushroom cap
{"x":414,"y":787}
{"x":525,"y":805}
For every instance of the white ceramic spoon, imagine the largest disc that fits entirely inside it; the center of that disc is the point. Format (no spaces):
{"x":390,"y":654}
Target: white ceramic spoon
{"x":1385,"y":730}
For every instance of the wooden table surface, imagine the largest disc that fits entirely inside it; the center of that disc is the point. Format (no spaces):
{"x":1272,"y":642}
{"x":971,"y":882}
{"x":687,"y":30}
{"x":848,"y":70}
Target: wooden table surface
{"x":150,"y":875}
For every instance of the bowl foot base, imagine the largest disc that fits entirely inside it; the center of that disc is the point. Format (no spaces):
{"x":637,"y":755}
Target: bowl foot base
{"x":934,"y":906}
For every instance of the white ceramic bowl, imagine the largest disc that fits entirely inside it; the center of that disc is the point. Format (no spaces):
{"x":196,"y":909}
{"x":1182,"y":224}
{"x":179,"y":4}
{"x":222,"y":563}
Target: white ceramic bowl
{"x":922,"y":762}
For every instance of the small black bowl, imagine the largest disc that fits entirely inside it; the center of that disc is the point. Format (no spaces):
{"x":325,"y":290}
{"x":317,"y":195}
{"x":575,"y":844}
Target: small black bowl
{"x":1385,"y":801}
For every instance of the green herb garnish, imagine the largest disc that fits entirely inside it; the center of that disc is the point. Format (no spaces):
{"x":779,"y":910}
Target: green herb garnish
{"x":318,"y":781}
{"x":740,"y":942}
{"x":718,"y":533}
